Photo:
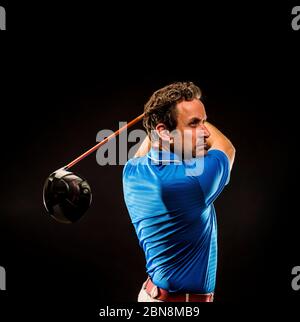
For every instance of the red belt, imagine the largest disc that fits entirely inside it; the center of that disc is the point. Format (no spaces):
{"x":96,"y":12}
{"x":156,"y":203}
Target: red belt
{"x":163,"y":295}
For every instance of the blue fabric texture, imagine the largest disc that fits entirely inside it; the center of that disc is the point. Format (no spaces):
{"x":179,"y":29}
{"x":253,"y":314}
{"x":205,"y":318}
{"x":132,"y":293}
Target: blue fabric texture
{"x":170,"y":203}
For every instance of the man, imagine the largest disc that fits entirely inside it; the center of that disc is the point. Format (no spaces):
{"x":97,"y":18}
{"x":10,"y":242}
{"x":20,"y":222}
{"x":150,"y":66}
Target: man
{"x":169,"y":189}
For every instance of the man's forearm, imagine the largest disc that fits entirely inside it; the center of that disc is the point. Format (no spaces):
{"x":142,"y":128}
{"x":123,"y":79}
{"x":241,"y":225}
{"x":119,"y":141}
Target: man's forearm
{"x":217,"y":140}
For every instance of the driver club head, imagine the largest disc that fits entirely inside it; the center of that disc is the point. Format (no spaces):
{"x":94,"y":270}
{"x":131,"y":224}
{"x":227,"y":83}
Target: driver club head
{"x":66,"y":195}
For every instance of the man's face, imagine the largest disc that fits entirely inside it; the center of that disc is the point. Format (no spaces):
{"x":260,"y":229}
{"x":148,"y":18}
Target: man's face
{"x":192,"y":133}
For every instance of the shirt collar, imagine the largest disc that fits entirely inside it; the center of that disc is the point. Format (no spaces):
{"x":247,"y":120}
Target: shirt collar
{"x":163,"y":157}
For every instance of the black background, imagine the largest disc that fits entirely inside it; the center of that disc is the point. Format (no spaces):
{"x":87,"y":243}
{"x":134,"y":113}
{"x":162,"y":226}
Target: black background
{"x":68,"y":72}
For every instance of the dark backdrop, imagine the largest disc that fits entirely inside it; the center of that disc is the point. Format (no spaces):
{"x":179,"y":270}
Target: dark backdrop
{"x":60,"y":85}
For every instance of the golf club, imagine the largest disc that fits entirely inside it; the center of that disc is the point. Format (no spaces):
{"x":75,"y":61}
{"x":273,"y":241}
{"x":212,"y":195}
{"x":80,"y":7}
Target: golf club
{"x":67,"y":195}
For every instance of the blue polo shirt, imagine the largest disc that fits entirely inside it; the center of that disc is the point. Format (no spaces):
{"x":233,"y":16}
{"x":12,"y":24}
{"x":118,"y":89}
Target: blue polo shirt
{"x":170,"y":203}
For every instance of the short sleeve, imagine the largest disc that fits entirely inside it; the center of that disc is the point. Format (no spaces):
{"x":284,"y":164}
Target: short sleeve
{"x":215,"y":176}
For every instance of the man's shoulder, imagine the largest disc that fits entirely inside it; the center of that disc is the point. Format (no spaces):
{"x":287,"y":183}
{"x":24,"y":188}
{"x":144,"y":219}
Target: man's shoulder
{"x":136,"y":160}
{"x":133,"y":163}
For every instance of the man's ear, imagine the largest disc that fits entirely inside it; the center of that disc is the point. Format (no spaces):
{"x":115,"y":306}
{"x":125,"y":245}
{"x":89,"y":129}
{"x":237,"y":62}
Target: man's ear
{"x":163,"y":133}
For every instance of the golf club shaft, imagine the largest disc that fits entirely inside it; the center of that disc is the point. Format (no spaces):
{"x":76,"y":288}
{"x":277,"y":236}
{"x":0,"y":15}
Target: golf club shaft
{"x":98,"y":145}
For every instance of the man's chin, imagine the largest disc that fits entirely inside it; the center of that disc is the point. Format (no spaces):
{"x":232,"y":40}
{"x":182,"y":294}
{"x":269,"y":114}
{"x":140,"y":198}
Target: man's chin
{"x":199,"y":154}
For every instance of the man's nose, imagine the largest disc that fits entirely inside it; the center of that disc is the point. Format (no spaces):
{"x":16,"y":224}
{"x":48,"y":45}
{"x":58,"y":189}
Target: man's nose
{"x":205,"y":131}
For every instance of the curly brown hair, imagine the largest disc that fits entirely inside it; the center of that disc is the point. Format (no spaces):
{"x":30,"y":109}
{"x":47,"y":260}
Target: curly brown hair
{"x":161,"y":107}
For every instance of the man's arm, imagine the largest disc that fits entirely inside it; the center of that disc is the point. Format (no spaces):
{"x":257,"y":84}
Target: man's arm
{"x":217,"y":140}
